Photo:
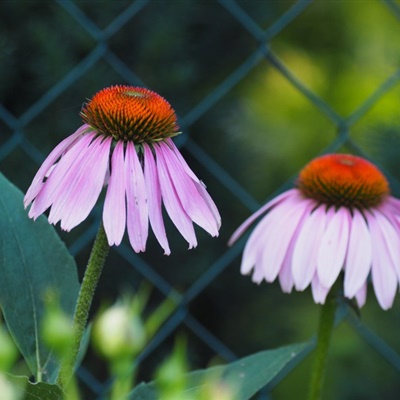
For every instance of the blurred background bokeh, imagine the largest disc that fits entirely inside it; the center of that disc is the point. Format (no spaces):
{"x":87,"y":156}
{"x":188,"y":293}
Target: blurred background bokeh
{"x":260,"y":88}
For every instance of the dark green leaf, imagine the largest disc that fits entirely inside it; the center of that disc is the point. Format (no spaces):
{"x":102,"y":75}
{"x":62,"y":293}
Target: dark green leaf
{"x":246,"y":376}
{"x":42,"y":391}
{"x":32,"y":260}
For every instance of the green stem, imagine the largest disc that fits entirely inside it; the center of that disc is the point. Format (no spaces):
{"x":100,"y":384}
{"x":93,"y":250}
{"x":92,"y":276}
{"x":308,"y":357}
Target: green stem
{"x":92,"y":274}
{"x":326,"y":323}
{"x":124,"y":375}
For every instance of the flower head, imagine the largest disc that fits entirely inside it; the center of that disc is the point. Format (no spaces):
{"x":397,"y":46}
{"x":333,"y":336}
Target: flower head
{"x":340,"y":218}
{"x":125,"y":143}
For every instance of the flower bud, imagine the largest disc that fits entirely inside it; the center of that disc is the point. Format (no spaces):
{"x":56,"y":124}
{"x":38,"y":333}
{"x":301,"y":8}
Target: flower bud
{"x":119,"y":332}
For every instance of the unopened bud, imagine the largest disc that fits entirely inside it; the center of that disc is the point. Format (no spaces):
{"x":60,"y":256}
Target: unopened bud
{"x":119,"y":332}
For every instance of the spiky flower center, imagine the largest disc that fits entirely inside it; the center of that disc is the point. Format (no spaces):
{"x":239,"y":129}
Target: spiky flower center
{"x":131,"y":113}
{"x":343,"y":180}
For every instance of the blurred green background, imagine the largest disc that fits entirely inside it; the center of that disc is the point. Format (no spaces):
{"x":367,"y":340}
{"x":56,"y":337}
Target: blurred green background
{"x":260,"y":88}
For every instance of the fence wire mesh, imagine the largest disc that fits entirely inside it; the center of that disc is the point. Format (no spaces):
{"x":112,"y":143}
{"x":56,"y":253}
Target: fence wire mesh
{"x":81,"y":47}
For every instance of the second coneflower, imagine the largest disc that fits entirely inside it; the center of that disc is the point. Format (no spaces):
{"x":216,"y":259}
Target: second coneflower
{"x":341,"y":217}
{"x":124,"y":143}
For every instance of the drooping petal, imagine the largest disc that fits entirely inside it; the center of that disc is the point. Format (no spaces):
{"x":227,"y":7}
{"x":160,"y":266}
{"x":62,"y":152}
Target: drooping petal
{"x":361,"y":295}
{"x":333,"y":246}
{"x":182,"y":161}
{"x":254,"y":247}
{"x":56,"y":153}
{"x":211,"y":205}
{"x":172,"y":201}
{"x":384,"y":277}
{"x":319,"y":291}
{"x":191,"y":200}
{"x":359,"y":255}
{"x":87,"y":185}
{"x":61,"y":177}
{"x":289,"y":215}
{"x":79,"y":188}
{"x":66,"y":178}
{"x":285,"y":274}
{"x":395,"y":203}
{"x":258,"y":275}
{"x":245,"y":225}
{"x":154,"y":198}
{"x":391,"y":233}
{"x":114,"y":211}
{"x":304,"y":261}
{"x":136,"y":197}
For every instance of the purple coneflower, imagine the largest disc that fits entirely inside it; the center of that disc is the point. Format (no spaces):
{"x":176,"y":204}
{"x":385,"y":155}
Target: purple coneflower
{"x":341,"y":217}
{"x":124,"y":143}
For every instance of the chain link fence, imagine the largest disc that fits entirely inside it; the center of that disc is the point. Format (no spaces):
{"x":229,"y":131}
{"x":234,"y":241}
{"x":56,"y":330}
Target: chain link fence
{"x":79,"y":47}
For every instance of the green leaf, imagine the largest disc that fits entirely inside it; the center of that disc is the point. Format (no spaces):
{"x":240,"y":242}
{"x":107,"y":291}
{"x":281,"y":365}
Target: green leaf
{"x":42,"y":391}
{"x":245,"y":376}
{"x":22,"y":389}
{"x":33,"y":260}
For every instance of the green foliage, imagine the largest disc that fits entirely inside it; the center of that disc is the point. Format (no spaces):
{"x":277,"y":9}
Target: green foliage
{"x":261,"y":131}
{"x":245,"y":377}
{"x":19,"y":388}
{"x":8,"y":351}
{"x":43,"y":391}
{"x":32,"y":260}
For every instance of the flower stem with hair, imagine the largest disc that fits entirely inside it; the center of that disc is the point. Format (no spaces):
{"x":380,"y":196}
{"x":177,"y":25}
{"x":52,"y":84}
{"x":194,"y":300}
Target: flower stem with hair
{"x":89,"y":283}
{"x":326,"y":324}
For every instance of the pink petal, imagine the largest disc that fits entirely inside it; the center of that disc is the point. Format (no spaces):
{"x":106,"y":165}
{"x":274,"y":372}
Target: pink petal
{"x":86,"y":185}
{"x":154,"y":196}
{"x":359,"y":255}
{"x":276,"y":200}
{"x":90,"y":184}
{"x":258,"y":275}
{"x":64,"y":179}
{"x":79,"y":188}
{"x":254,"y":247}
{"x":61,"y":176}
{"x":201,"y":188}
{"x":286,"y":278}
{"x":391,"y":233}
{"x":285,"y":274}
{"x":361,"y":295}
{"x":333,"y":246}
{"x":191,"y":200}
{"x":182,"y":161}
{"x":384,"y":276}
{"x":37,"y":183}
{"x":395,"y":203}
{"x":172,"y":201}
{"x":319,"y":291}
{"x":304,"y":262}
{"x":289,"y":214}
{"x":114,"y":211}
{"x":136,"y":196}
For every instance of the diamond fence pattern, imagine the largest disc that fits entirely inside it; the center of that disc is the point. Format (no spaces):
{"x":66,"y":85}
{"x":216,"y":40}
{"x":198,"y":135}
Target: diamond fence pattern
{"x":101,"y":51}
